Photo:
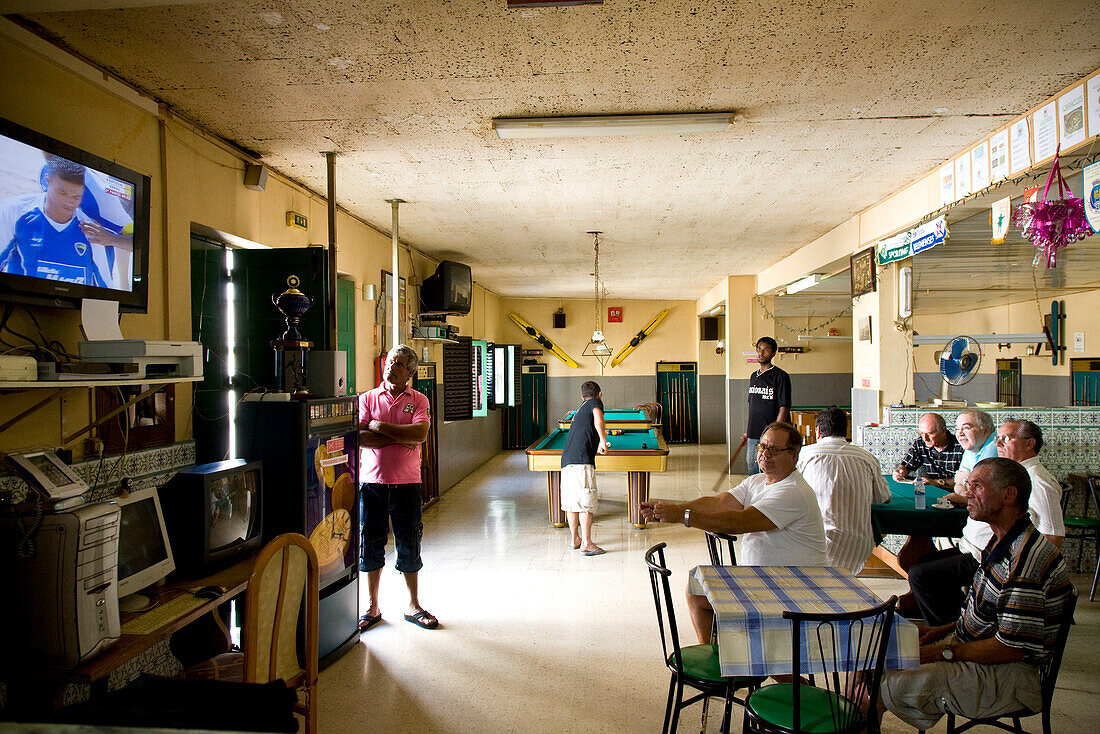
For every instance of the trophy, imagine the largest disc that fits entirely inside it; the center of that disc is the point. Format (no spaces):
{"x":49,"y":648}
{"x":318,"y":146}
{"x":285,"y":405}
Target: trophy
{"x":291,"y":348}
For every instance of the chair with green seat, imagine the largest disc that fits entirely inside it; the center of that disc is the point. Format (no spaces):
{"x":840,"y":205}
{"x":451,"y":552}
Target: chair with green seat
{"x":695,"y":665}
{"x":1084,"y":526}
{"x":844,"y":643}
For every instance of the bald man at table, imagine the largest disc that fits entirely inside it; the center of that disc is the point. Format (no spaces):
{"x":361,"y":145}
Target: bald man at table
{"x":775,"y":513}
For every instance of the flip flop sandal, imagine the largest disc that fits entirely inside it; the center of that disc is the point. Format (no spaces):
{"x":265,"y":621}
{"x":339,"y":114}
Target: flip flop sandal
{"x":597,"y":552}
{"x":419,"y":619}
{"x":367,"y":621}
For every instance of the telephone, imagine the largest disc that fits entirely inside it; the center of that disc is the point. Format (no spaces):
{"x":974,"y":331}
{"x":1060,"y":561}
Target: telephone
{"x":48,"y":474}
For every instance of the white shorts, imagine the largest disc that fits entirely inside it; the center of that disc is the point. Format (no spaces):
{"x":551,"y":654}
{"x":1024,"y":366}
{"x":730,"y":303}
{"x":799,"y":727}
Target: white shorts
{"x":578,"y":488}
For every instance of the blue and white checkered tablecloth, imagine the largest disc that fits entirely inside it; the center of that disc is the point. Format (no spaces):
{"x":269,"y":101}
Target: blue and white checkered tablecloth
{"x":753,"y":637}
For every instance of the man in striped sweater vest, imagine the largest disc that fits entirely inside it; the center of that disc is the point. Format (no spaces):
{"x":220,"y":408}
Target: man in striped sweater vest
{"x":986,"y":663}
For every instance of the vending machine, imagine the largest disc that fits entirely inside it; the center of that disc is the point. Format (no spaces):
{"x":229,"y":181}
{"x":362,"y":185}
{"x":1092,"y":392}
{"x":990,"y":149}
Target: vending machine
{"x":310,"y":455}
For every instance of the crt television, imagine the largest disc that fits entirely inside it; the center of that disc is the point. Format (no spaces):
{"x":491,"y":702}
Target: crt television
{"x":214,"y":514}
{"x":144,"y":551}
{"x":72,"y":225}
{"x":449,"y":290}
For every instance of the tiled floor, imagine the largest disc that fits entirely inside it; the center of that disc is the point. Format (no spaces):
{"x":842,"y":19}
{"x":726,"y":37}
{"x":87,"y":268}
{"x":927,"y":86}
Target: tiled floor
{"x":537,"y":638}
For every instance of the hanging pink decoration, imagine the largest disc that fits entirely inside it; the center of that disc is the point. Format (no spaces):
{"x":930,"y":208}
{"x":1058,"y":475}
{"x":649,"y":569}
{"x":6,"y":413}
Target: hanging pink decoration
{"x":1053,"y":224}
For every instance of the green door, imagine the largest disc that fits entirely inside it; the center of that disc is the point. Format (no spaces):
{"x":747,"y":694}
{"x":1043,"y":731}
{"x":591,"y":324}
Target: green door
{"x":209,"y":420}
{"x":345,"y":326}
{"x":533,"y":407}
{"x":676,"y":392}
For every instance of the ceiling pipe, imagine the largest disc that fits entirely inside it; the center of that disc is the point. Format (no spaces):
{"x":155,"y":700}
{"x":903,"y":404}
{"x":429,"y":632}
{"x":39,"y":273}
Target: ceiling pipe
{"x":330,"y":160}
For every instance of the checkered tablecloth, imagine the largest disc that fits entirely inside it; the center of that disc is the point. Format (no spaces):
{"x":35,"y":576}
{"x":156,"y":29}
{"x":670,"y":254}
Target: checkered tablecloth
{"x":753,"y":637}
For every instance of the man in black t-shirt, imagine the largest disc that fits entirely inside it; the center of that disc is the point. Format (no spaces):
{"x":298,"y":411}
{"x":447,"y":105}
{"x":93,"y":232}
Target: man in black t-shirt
{"x":578,"y":468}
{"x":769,"y":397}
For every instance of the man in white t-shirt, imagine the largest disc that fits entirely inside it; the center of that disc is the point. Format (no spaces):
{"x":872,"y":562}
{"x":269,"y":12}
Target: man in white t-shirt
{"x":775,"y":512}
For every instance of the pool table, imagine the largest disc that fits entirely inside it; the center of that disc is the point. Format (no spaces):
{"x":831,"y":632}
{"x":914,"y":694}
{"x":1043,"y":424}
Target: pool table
{"x":900,"y":517}
{"x":614,"y":418}
{"x":636,"y":451}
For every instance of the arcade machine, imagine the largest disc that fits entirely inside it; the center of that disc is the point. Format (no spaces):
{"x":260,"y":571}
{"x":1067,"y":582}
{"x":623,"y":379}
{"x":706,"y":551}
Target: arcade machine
{"x":309,"y":448}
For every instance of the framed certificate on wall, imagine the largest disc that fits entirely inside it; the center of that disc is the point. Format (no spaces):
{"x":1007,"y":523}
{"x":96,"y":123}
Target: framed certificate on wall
{"x":863,"y":272}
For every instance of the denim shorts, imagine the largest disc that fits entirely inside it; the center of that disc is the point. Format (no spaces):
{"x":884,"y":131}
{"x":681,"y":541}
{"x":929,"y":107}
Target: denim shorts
{"x":381,"y":506}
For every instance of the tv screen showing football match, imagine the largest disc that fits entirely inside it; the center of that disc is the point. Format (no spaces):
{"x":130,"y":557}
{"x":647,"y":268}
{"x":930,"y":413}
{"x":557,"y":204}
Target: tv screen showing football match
{"x":64,"y":221}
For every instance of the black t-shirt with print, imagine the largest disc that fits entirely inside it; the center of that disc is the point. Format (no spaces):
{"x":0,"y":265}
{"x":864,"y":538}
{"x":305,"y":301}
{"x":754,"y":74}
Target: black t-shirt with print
{"x":583,"y":440}
{"x":768,"y":392}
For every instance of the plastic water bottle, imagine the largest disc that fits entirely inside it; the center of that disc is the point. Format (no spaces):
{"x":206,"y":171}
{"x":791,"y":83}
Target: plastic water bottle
{"x":918,"y":493}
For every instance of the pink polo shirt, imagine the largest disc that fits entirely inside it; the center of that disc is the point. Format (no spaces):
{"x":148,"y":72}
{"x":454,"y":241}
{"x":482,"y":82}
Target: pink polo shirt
{"x":395,"y":464}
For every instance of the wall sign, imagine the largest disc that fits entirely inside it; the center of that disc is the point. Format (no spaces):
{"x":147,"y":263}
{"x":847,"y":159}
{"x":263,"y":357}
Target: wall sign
{"x":863,"y":272}
{"x":614,"y":314}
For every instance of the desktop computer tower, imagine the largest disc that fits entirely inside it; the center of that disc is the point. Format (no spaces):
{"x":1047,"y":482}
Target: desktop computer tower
{"x":62,"y":607}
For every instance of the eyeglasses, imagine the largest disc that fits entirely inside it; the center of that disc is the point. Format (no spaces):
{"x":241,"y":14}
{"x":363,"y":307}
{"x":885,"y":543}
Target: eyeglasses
{"x":763,"y":448}
{"x":1005,"y":439}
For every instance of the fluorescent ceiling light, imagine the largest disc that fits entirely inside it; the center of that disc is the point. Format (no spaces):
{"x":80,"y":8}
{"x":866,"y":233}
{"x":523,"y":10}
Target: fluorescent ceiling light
{"x":605,"y":125}
{"x":717,"y":309}
{"x":800,"y":285}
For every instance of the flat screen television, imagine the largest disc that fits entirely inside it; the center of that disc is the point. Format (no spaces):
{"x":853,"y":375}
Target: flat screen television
{"x":214,"y":514}
{"x":72,"y":225}
{"x":144,"y":550}
{"x":450,"y":290}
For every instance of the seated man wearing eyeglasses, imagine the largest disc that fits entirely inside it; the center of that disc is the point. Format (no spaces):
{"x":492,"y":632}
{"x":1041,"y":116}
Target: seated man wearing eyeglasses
{"x":775,"y":512}
{"x":985,"y":662}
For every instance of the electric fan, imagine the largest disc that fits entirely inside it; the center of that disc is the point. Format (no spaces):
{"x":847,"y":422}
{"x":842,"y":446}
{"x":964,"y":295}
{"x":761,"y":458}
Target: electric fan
{"x":959,"y":362}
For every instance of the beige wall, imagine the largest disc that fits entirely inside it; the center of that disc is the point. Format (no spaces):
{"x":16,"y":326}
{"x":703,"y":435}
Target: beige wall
{"x":674,"y":339}
{"x":195,"y":180}
{"x":1082,"y":315}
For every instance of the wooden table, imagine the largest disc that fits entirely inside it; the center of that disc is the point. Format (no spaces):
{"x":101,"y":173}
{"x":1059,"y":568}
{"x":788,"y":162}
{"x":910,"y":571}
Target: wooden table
{"x":636,"y":451}
{"x":753,"y":637}
{"x":901,"y":517}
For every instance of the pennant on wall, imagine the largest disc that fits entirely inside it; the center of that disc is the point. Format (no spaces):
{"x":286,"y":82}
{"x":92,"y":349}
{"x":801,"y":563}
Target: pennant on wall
{"x":1090,"y":188}
{"x":999,"y":217}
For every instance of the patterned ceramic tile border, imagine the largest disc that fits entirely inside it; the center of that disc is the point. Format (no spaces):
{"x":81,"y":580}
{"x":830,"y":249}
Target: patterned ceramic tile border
{"x":1066,"y":450}
{"x":1072,"y":417}
{"x":148,"y":468}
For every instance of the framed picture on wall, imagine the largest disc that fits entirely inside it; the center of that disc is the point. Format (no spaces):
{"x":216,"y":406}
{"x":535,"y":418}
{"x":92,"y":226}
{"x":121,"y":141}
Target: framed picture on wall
{"x":863,"y":272}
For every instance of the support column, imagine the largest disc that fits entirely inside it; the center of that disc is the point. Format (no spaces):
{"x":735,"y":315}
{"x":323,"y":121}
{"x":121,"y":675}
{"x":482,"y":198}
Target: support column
{"x":882,"y":368}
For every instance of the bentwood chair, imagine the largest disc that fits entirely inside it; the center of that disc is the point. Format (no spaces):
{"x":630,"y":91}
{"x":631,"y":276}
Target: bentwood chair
{"x":852,"y":649}
{"x":1048,"y":677}
{"x":1084,"y":526}
{"x":714,"y":548}
{"x":283,"y":585}
{"x":694,"y":665}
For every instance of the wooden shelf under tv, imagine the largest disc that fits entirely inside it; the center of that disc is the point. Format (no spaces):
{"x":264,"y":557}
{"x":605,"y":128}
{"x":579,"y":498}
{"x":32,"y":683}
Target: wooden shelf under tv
{"x":61,"y":384}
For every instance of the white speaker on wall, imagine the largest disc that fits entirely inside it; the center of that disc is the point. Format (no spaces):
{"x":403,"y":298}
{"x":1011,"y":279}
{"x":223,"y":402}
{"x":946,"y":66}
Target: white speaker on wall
{"x":255,"y":177}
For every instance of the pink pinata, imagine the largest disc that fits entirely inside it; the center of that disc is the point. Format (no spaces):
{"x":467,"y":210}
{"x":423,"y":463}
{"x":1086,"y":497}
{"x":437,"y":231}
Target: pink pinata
{"x":1053,"y":224}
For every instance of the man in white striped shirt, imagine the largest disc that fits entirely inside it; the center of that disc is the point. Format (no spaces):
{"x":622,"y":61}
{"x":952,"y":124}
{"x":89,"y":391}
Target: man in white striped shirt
{"x":847,"y":480}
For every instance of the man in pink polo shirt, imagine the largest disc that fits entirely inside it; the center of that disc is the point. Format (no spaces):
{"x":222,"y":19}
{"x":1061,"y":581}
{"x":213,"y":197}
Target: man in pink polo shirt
{"x":393,"y":422}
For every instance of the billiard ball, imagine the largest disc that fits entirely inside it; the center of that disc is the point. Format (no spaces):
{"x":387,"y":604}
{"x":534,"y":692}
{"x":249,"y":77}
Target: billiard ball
{"x":645,"y":445}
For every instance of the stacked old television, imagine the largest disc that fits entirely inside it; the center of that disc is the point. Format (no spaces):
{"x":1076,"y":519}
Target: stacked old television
{"x":448,"y":291}
{"x":72,"y":225}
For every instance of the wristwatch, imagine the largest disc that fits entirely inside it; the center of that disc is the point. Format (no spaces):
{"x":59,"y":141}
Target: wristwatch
{"x":947,"y":653}
{"x":687,"y":518}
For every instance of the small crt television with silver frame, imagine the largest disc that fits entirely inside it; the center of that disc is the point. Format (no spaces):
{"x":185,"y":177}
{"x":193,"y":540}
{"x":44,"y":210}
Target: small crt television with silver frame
{"x":214,"y":514}
{"x":144,"y":550}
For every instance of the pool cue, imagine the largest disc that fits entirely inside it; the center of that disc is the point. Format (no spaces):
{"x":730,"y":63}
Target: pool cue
{"x":726,"y":472}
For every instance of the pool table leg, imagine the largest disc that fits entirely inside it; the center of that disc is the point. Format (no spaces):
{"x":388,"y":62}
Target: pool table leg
{"x":553,"y":499}
{"x":638,"y":484}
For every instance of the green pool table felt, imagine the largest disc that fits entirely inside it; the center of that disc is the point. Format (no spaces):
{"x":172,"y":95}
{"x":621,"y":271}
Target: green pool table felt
{"x":631,"y":439}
